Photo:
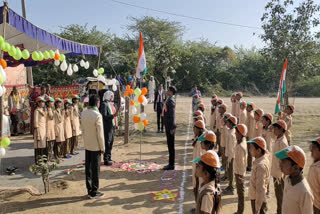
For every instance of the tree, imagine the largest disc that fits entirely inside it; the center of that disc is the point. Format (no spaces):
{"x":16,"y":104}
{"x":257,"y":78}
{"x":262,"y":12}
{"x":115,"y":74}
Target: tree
{"x":288,"y":34}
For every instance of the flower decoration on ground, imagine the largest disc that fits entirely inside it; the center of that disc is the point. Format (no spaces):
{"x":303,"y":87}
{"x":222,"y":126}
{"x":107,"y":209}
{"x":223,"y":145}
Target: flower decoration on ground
{"x":165,"y":195}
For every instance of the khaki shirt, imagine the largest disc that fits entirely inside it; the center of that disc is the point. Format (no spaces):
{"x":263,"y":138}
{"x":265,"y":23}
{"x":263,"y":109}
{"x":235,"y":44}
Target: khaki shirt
{"x":269,"y":137}
{"x":259,"y":181}
{"x":242,"y":116}
{"x":75,"y":121}
{"x":59,"y":125}
{"x":213,"y":118}
{"x":233,"y":108}
{"x":250,"y":124}
{"x":207,"y":200}
{"x":258,"y":126}
{"x":278,"y":145}
{"x":223,"y":135}
{"x":288,"y":120}
{"x":314,"y":182}
{"x":297,"y":199}
{"x":231,"y":142}
{"x":197,"y":153}
{"x":240,"y":158}
{"x":40,"y":123}
{"x":237,"y":111}
{"x":50,"y":125}
{"x":67,"y":123}
{"x":218,"y":121}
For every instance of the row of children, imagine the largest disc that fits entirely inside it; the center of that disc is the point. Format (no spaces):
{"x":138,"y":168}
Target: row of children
{"x":254,"y":136}
{"x":56,"y":127}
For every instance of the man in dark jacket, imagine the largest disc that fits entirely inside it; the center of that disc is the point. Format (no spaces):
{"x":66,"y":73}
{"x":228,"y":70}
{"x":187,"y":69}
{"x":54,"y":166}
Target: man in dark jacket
{"x":170,"y":124}
{"x":109,"y":115}
{"x":159,"y":98}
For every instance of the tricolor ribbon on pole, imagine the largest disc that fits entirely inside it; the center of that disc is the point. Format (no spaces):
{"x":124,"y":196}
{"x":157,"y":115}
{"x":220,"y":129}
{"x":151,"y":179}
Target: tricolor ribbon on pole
{"x":282,"y":87}
{"x":142,"y":62}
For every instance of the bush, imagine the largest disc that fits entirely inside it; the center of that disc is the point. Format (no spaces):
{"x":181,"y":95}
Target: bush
{"x":308,"y":87}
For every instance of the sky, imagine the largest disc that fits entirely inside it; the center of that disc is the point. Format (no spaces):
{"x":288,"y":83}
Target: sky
{"x":113,"y":16}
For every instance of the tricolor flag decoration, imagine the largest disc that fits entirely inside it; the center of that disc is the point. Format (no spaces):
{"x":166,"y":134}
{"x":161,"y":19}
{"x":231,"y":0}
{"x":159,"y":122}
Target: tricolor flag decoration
{"x":142,"y":62}
{"x":282,"y":87}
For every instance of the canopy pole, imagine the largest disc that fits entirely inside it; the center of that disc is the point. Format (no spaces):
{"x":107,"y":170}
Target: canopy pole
{"x":5,"y":10}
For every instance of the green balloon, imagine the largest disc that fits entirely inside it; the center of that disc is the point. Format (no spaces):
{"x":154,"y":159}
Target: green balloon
{"x":25,"y":54}
{"x":2,"y":46}
{"x":62,"y":57}
{"x":5,"y":142}
{"x":51,"y":54}
{"x":140,"y":126}
{"x":35,"y":56}
{"x":12,"y":51}
{"x":40,"y":56}
{"x":18,"y":54}
{"x":1,"y":40}
{"x":6,"y":47}
{"x":137,"y":92}
{"x":46,"y":55}
{"x":102,"y":70}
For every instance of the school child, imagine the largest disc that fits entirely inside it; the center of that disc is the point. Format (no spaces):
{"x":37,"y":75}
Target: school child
{"x":260,"y":175}
{"x":208,"y":140}
{"x":279,"y":128}
{"x":195,"y":99}
{"x":67,"y":127}
{"x":198,"y":129}
{"x":258,"y":113}
{"x":220,"y":130}
{"x":239,"y":96}
{"x":201,"y":107}
{"x":231,"y":142}
{"x":287,"y":117}
{"x":250,"y":125}
{"x":40,"y":122}
{"x":59,"y":128}
{"x":242,"y":112}
{"x":213,"y":115}
{"x":75,"y":125}
{"x":233,"y":104}
{"x":267,"y":132}
{"x":314,"y":174}
{"x":297,"y":196}
{"x":51,"y":136}
{"x":209,"y":199}
{"x":240,"y":164}
{"x":218,"y":119}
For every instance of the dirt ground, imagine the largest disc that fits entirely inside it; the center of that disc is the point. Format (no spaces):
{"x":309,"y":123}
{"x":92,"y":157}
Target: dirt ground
{"x":131,"y":192}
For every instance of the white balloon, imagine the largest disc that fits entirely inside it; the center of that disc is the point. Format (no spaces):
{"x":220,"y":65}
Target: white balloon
{"x":75,"y":68}
{"x":114,"y":87}
{"x":1,"y":91}
{"x":4,"y":89}
{"x":82,"y":63}
{"x":136,"y":126}
{"x":87,"y":65}
{"x":3,"y":73}
{"x":69,"y":71}
{"x":57,"y":51}
{"x":143,"y":116}
{"x":64,"y":65}
{"x":101,"y":78}
{"x":145,"y":101}
{"x":134,"y":110}
{"x":95,"y":73}
{"x":56,"y":62}
{"x":2,"y":152}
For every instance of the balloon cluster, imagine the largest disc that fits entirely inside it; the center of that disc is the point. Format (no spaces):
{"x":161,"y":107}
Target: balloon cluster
{"x":5,"y":142}
{"x":64,"y":65}
{"x":96,"y":72}
{"x":140,"y":120}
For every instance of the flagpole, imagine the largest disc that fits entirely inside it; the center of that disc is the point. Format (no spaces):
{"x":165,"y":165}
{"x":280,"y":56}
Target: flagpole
{"x":140,"y":147}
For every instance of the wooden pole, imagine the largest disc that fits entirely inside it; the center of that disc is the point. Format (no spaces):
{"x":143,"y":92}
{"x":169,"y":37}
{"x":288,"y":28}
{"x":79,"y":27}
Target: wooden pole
{"x":126,"y":121}
{"x":5,"y":9}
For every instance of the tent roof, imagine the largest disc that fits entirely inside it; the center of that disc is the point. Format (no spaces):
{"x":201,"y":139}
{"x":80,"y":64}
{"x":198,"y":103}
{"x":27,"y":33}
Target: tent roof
{"x":20,"y":32}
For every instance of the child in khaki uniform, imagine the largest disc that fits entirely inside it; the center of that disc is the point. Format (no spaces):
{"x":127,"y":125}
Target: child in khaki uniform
{"x":243,"y":113}
{"x":209,"y":200}
{"x":240,"y":163}
{"x":222,"y":129}
{"x":51,"y":135}
{"x":250,"y":125}
{"x":287,"y":117}
{"x":231,"y":142}
{"x":257,"y":123}
{"x":75,"y":125}
{"x":198,"y":129}
{"x":239,"y":95}
{"x":233,"y":104}
{"x":314,"y":174}
{"x":213,"y":115}
{"x":279,"y":128}
{"x":260,"y":175}
{"x":297,"y":197}
{"x":67,"y":127}
{"x":59,"y":128}
{"x":40,"y":126}
{"x":217,"y":127}
{"x":208,"y":140}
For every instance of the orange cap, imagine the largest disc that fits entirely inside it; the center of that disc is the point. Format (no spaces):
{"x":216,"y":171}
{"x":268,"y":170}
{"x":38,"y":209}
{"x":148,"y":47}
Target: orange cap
{"x":201,"y":105}
{"x":233,"y":119}
{"x":243,"y":103}
{"x":259,"y":111}
{"x":200,"y":117}
{"x":291,"y":107}
{"x":295,"y":153}
{"x":210,"y":159}
{"x":268,"y":116}
{"x":199,"y":124}
{"x":197,"y":113}
{"x":242,"y":128}
{"x":240,"y":94}
{"x":220,"y":101}
{"x":38,"y":99}
{"x":252,"y":105}
{"x":196,"y":96}
{"x":57,"y":100}
{"x":281,"y":123}
{"x":214,"y":96}
{"x":227,"y":115}
{"x":260,"y":142}
{"x":224,"y":106}
{"x":209,"y":136}
{"x":317,"y":140}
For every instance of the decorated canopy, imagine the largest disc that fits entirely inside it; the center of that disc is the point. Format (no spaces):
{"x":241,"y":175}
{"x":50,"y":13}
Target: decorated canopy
{"x":25,"y":35}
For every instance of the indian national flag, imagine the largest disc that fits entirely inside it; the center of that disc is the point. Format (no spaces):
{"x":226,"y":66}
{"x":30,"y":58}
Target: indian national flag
{"x":282,"y":87}
{"x":142,"y":62}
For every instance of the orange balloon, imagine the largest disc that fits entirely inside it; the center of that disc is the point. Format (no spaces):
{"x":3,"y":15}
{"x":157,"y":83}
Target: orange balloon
{"x":140,"y":99}
{"x":126,"y":93}
{"x":3,"y":63}
{"x":128,"y":87}
{"x":131,"y":91}
{"x":145,"y":123}
{"x":132,"y":103}
{"x":144,"y":91}
{"x":136,"y":119}
{"x":57,"y":56}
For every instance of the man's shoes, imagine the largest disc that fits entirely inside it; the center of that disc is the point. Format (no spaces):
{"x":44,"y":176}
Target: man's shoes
{"x":158,"y":130}
{"x":75,"y":153}
{"x":98,"y":195}
{"x":108,"y":163}
{"x":162,"y":131}
{"x":168,"y":167}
